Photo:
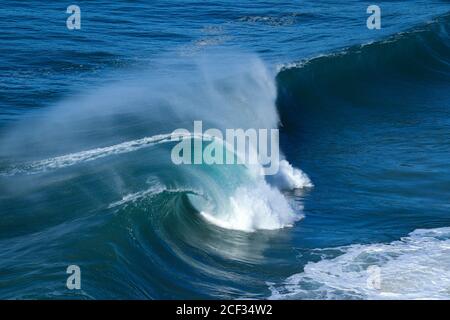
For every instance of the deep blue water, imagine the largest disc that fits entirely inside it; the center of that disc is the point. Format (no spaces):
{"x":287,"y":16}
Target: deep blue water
{"x":365,"y":114}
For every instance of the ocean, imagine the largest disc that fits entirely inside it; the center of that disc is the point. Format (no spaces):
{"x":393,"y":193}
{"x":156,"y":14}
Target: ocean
{"x":359,"y":209}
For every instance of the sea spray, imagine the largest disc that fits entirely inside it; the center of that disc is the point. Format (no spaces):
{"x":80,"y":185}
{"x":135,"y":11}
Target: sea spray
{"x":128,"y":123}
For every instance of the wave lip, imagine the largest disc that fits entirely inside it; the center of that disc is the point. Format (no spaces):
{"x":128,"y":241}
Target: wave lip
{"x":415,"y":267}
{"x":93,"y":154}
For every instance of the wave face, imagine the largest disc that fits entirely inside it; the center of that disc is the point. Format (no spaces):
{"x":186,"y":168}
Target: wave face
{"x":363,"y":75}
{"x":416,"y":267}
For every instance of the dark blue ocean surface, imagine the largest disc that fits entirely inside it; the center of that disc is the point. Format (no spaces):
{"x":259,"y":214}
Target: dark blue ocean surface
{"x":86,"y":176}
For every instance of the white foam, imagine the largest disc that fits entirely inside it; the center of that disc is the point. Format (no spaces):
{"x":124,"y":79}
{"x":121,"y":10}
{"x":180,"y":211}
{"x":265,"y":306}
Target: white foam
{"x":94,"y":154}
{"x":133,"y":197}
{"x":416,"y":267}
{"x":289,"y":178}
{"x":259,"y":205}
{"x":255,"y":207}
{"x":156,"y":189}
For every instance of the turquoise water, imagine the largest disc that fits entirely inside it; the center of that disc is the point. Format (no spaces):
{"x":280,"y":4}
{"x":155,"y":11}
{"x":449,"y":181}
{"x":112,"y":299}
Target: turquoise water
{"x":86,"y":177}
